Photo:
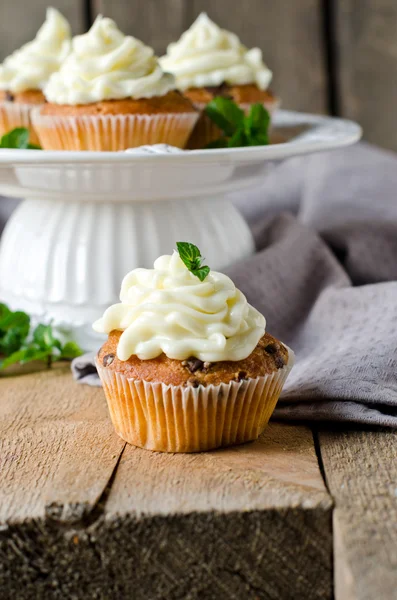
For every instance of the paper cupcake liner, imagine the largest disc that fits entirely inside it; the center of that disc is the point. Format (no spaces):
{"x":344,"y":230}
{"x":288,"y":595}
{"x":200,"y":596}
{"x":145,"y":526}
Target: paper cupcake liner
{"x":112,"y":132}
{"x":170,"y":418}
{"x":206,"y":131}
{"x":16,"y":114}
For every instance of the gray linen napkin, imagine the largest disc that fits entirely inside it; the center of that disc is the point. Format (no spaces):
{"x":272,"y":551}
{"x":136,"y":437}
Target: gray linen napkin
{"x":325,"y":277}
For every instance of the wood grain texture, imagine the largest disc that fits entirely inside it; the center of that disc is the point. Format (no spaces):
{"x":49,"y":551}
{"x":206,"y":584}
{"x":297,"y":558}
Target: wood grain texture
{"x":57,"y":447}
{"x":366,"y":45}
{"x":279,"y":470}
{"x":20,"y":20}
{"x":246,"y":522}
{"x":290,"y":35}
{"x":361,"y":472}
{"x":155,"y":22}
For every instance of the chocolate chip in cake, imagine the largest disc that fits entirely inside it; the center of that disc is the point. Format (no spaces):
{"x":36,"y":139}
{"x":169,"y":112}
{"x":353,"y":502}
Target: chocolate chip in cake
{"x":279,"y":361}
{"x":193,"y":364}
{"x":271,"y":348}
{"x":192,"y":382}
{"x":241,"y":375}
{"x":108,"y":359}
{"x":218,"y":90}
{"x":9,"y":97}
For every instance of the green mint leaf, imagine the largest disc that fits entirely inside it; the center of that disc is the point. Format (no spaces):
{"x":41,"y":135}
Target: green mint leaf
{"x":42,"y":345}
{"x":239,"y":129}
{"x":44,"y":338}
{"x":256,"y":126}
{"x":258,"y":118}
{"x":70,"y":350}
{"x":14,"y":329}
{"x":11,"y":341}
{"x":202,"y":272}
{"x":258,"y":140}
{"x":221,"y":143}
{"x":32,"y":352}
{"x":4,"y":311}
{"x":18,"y":138}
{"x":192,"y":259}
{"x":238,"y":139}
{"x":189,"y":253}
{"x":225,"y":114}
{"x":14,"y":358}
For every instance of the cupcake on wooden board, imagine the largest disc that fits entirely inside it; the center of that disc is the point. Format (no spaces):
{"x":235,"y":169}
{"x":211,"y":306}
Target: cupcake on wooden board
{"x":24,"y":73}
{"x":188,"y":365}
{"x":111,"y":94}
{"x":208,"y":61}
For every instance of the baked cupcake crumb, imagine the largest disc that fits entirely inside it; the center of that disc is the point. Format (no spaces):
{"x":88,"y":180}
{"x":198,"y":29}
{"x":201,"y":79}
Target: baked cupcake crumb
{"x":172,"y":102}
{"x":268,"y":356}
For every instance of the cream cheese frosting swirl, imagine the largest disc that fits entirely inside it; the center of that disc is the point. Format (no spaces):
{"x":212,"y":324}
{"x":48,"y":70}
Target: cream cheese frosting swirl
{"x":206,"y":55}
{"x":30,"y":67}
{"x":105,"y":64}
{"x":168,"y":309}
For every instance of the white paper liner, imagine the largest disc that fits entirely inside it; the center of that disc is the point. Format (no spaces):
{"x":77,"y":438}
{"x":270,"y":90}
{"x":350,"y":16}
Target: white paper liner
{"x":112,"y":132}
{"x":17,"y":114}
{"x":206,"y":131}
{"x":170,"y":418}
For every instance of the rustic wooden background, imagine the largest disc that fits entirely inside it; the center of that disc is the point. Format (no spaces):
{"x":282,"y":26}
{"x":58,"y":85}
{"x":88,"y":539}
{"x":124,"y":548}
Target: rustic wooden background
{"x":335,"y":56}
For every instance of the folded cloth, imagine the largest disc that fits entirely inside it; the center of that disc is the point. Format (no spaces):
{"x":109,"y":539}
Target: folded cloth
{"x":325,"y":278}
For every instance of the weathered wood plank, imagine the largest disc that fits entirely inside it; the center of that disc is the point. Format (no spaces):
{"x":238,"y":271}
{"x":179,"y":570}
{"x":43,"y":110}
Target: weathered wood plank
{"x":366,"y":45}
{"x":155,"y":23}
{"x":248,"y":522}
{"x":57,"y":447}
{"x":20,"y":20}
{"x":290,"y":35}
{"x":361,"y":472}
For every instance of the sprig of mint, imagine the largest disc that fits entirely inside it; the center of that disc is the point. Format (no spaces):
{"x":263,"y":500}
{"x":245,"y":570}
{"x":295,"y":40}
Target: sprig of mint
{"x":18,"y":138}
{"x":191,"y":257}
{"x":18,"y":344}
{"x":238,"y":128}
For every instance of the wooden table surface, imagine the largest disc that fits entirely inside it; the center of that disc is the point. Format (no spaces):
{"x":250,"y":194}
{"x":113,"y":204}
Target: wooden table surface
{"x":83,"y":515}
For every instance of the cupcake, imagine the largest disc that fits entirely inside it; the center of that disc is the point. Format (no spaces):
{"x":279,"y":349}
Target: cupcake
{"x":208,"y":61}
{"x":187,"y":365}
{"x":25,"y":72}
{"x":111,"y":94}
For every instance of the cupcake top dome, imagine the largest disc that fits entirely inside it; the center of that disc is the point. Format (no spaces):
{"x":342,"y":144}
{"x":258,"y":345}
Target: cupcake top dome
{"x":105,"y":64}
{"x":206,"y":55}
{"x":182,"y":312}
{"x":30,"y":67}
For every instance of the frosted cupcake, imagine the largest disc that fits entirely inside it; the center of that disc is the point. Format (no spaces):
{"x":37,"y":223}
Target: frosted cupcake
{"x":111,"y":94}
{"x":208,"y":61}
{"x":187,"y":365}
{"x":24,"y":73}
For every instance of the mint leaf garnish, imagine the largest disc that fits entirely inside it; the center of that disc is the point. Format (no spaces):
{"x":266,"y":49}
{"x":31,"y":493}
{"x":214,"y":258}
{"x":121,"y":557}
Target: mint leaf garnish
{"x":201,"y":273}
{"x":226,"y":114}
{"x":18,"y":138}
{"x":18,"y":344}
{"x":238,"y":129}
{"x":192,"y":259}
{"x":256,"y":125}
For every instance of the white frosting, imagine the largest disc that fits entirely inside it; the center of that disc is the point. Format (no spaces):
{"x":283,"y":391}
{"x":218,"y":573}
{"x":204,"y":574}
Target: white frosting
{"x":30,"y":67}
{"x":168,"y":309}
{"x":206,"y":55}
{"x":105,"y":64}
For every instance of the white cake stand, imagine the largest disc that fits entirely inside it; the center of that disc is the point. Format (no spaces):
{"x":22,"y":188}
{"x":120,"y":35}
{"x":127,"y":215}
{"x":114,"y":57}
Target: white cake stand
{"x":88,"y":218}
